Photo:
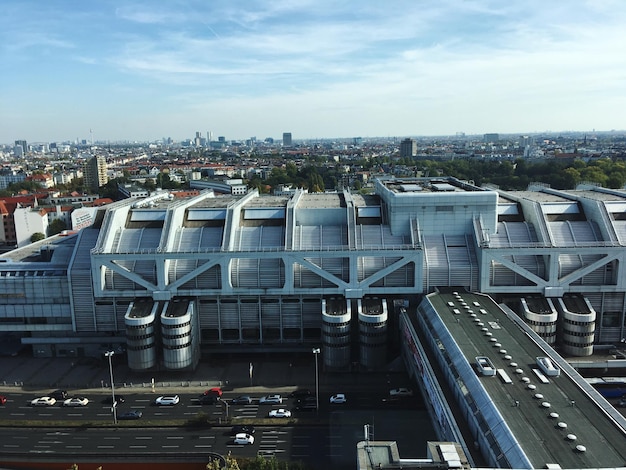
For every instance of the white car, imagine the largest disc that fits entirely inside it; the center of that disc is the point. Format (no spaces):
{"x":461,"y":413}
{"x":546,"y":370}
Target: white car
{"x":76,"y":401}
{"x":243,"y":439}
{"x":168,"y":400}
{"x":43,"y":401}
{"x":271,"y":399}
{"x":280,"y":413}
{"x":401,"y":392}
{"x":338,"y":398}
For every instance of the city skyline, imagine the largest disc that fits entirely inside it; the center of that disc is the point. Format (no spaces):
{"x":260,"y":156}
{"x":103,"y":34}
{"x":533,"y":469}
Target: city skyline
{"x":139,"y":71}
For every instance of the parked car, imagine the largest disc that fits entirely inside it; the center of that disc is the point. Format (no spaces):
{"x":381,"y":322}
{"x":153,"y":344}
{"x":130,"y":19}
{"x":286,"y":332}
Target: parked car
{"x":271,"y":400}
{"x":43,"y":401}
{"x":58,"y":394}
{"x":215,"y":391}
{"x":243,"y":439}
{"x":3,"y":399}
{"x":393,"y":401}
{"x":76,"y":401}
{"x":242,"y":429}
{"x":108,"y":400}
{"x":280,"y":413}
{"x":167,"y":400}
{"x":133,"y":414}
{"x":241,"y":400}
{"x":208,"y":399}
{"x":300,"y":393}
{"x":304,"y":400}
{"x":401,"y":392}
{"x":338,"y":398}
{"x":306,"y":406}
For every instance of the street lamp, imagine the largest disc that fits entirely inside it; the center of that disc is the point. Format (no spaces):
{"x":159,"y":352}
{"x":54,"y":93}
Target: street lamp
{"x":109,"y":354}
{"x":316,"y":351}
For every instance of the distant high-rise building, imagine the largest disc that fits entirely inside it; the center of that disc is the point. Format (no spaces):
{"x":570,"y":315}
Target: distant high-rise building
{"x":526,"y":140}
{"x":221,"y":139}
{"x":95,"y":173}
{"x":209,"y":137}
{"x":23,"y":144}
{"x":408,"y":148}
{"x":287,"y":142}
{"x":491,"y":138}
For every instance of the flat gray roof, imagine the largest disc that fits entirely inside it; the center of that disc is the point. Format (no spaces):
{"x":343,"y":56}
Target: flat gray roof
{"x":218,"y":202}
{"x":427,"y":185}
{"x":321,"y":201}
{"x":267,"y":201}
{"x":493,"y":334}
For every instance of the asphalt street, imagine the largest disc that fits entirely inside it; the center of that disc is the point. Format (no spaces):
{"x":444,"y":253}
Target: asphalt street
{"x":329,"y":443}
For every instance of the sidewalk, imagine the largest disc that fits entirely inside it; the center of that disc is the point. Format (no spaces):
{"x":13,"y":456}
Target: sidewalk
{"x":87,"y":374}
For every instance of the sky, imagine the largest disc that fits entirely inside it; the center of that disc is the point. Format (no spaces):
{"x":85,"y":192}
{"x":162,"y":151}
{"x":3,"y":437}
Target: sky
{"x":116,"y":70}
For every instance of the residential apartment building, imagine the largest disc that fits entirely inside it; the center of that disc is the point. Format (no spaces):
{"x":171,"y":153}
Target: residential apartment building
{"x":95,"y":173}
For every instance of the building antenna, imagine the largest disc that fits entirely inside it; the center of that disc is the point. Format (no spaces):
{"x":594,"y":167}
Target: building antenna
{"x":91,"y":136}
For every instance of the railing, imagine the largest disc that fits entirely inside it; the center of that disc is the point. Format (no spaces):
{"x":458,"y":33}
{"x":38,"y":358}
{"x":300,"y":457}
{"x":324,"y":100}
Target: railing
{"x":277,"y":249}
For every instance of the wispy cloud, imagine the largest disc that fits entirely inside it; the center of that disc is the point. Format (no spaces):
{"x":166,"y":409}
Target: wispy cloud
{"x":150,"y":14}
{"x":429,"y":64}
{"x":19,"y":41}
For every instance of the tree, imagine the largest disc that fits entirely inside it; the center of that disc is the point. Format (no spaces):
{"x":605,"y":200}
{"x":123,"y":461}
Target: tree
{"x":149,"y":184}
{"x":216,"y":464}
{"x":29,"y":186}
{"x":35,"y":237}
{"x":262,"y":463}
{"x":56,"y":226}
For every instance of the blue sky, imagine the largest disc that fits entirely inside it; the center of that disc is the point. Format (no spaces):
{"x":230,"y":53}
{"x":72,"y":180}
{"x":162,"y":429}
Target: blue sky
{"x":143,"y":70}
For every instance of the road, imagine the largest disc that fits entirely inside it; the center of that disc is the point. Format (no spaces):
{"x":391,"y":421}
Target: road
{"x":18,"y":407}
{"x":330,"y":445}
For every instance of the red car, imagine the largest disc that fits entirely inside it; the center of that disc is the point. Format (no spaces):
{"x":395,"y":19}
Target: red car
{"x":3,"y":399}
{"x":215,"y":392}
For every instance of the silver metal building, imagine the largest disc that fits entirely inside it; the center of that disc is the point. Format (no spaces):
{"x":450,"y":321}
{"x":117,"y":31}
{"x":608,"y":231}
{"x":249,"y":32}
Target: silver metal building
{"x":256,"y":270}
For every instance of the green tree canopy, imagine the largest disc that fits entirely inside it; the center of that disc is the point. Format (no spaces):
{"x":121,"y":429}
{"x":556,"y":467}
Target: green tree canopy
{"x":37,"y":236}
{"x":56,"y":226}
